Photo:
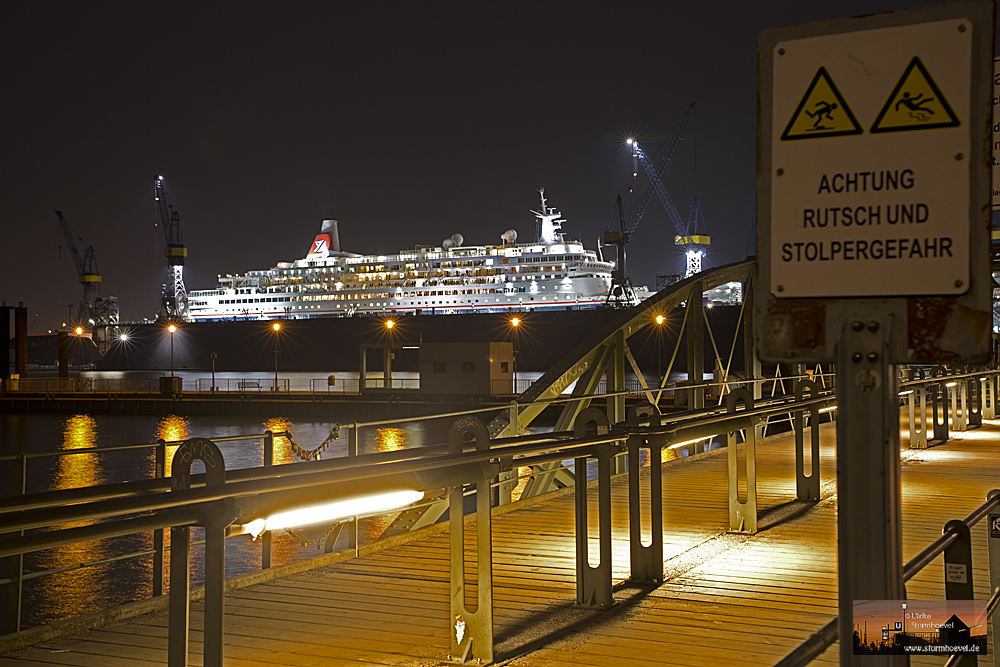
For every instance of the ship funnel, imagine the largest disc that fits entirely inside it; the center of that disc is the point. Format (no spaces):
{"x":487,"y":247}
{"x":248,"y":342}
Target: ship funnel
{"x":330,"y":227}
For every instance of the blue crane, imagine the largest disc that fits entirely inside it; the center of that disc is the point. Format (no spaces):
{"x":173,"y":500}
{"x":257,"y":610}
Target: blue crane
{"x":174,"y":303}
{"x":692,"y":237}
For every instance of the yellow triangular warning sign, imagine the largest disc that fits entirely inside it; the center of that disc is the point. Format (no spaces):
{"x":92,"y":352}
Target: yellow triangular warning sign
{"x":823,"y":112}
{"x":916,"y":103}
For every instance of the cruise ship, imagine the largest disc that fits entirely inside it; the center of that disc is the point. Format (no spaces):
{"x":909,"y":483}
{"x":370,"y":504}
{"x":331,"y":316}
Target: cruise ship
{"x":550,"y":273}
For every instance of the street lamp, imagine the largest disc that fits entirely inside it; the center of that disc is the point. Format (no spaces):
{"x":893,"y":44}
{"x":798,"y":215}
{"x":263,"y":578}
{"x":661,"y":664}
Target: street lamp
{"x":79,"y":353}
{"x":515,"y":322}
{"x":660,"y":319}
{"x":172,"y":328}
{"x":277,"y":328}
{"x":389,"y":324}
{"x":902,"y":627}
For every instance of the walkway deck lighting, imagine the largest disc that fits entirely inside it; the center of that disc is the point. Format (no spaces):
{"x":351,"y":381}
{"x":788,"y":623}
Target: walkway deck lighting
{"x":334,"y":511}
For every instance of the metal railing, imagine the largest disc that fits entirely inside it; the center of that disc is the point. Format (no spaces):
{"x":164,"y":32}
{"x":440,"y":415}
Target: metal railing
{"x":956,"y":545}
{"x":442,"y":467}
{"x":83,"y":384}
{"x":243,"y":385}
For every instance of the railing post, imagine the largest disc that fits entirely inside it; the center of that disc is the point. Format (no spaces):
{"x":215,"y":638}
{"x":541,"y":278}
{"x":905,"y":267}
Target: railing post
{"x":208,"y":453}
{"x":646,"y":561}
{"x":975,"y":407}
{"x":265,"y":539}
{"x":958,"y":563}
{"x":986,"y":391}
{"x":507,"y":479}
{"x":993,"y":540}
{"x":352,"y":527}
{"x":593,"y":584}
{"x":916,"y":403}
{"x":939,"y":405}
{"x":159,"y":472}
{"x":471,"y":632}
{"x":742,"y":515}
{"x":806,"y":486}
{"x":16,"y":562}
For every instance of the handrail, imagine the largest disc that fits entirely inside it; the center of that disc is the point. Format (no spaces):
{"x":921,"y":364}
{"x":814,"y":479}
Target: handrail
{"x":810,"y":649}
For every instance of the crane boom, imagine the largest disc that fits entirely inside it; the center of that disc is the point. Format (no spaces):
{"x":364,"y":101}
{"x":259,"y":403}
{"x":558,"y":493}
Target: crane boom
{"x":70,"y":243}
{"x":174,"y":303}
{"x":661,"y":191}
{"x":86,"y":269}
{"x":668,"y":154}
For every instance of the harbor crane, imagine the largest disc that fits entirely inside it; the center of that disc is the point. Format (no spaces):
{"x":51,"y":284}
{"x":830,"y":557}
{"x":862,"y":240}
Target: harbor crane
{"x":86,"y":269}
{"x":692,"y":237}
{"x":621,"y":287}
{"x":174,"y":302}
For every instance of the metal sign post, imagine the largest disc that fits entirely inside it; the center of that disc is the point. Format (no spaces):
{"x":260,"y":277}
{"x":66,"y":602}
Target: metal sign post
{"x":873,"y":193}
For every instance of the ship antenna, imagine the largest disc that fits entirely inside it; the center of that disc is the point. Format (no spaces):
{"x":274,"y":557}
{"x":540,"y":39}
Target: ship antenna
{"x":541,"y":193}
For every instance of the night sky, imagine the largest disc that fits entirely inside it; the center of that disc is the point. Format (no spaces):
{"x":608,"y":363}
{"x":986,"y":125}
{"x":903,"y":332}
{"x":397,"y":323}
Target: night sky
{"x":406,"y":121}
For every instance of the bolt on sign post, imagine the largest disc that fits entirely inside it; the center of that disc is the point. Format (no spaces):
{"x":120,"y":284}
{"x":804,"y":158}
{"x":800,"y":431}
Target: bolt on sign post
{"x":873,"y":209}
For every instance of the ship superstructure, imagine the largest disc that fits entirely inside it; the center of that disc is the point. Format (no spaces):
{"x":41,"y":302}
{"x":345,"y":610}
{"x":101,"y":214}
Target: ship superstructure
{"x":550,"y":273}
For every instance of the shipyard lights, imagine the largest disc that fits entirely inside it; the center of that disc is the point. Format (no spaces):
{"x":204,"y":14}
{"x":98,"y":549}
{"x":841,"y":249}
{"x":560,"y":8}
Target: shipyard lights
{"x":334,"y":511}
{"x":79,"y":331}
{"x":276,"y":326}
{"x":660,"y":319}
{"x":172,"y":328}
{"x":389,"y":324}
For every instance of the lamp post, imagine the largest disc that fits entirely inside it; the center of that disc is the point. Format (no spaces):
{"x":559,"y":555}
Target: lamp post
{"x":389,"y":324}
{"x":277,"y":328}
{"x":660,"y":319}
{"x":902,"y":626}
{"x":214,"y":357}
{"x":515,"y":322}
{"x":79,"y":353}
{"x":172,"y":328}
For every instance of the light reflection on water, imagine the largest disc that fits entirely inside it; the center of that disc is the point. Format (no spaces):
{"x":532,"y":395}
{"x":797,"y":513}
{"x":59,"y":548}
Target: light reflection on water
{"x":93,"y":588}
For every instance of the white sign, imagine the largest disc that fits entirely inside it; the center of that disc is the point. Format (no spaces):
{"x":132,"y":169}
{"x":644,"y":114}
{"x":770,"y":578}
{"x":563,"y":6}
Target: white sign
{"x":955,"y":573}
{"x":871,"y":154}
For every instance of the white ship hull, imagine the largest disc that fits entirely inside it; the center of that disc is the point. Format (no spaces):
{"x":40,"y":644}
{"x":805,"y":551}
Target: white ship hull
{"x":552,"y":273}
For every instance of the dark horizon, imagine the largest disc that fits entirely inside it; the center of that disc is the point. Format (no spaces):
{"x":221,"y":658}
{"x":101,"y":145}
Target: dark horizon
{"x":408,"y":123}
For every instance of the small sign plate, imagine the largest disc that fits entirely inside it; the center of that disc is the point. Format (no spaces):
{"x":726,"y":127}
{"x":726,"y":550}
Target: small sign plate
{"x":995,"y":525}
{"x":955,"y":573}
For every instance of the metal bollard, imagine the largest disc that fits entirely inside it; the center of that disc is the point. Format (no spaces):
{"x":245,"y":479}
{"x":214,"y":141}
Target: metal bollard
{"x":742,"y":515}
{"x":646,"y":561}
{"x":593,"y":584}
{"x":806,"y":486}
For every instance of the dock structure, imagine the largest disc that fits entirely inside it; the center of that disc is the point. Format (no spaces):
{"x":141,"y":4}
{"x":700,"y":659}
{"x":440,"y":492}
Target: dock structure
{"x":726,"y":599}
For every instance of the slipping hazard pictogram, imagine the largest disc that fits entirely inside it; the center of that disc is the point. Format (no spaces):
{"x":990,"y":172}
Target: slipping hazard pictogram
{"x":916,"y":103}
{"x":823,"y":112}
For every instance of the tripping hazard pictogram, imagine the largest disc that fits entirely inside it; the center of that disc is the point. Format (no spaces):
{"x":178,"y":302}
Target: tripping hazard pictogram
{"x":916,"y":103}
{"x":823,"y":112}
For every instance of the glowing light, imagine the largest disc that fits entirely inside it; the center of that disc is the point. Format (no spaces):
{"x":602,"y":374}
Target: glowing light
{"x":341,"y":509}
{"x":79,"y":330}
{"x":904,"y":393}
{"x":952,"y":384}
{"x":276,"y":326}
{"x":659,"y":319}
{"x":172,"y":328}
{"x":830,"y":409}
{"x":689,"y":442}
{"x":515,"y":322}
{"x":389,"y":324}
{"x":123,"y":338}
{"x":630,"y":141}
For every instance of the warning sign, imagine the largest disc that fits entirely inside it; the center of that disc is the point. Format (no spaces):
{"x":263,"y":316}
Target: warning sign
{"x":871,"y":213}
{"x":916,"y":103}
{"x":823,"y":112}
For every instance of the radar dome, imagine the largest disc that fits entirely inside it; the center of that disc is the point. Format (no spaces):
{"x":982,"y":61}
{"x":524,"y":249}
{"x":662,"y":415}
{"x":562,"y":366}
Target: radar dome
{"x":447,"y":243}
{"x":458,"y":239}
{"x":509,"y":236}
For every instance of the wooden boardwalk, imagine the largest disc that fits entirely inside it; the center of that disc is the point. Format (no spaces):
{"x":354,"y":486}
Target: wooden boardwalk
{"x":728,"y":599}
